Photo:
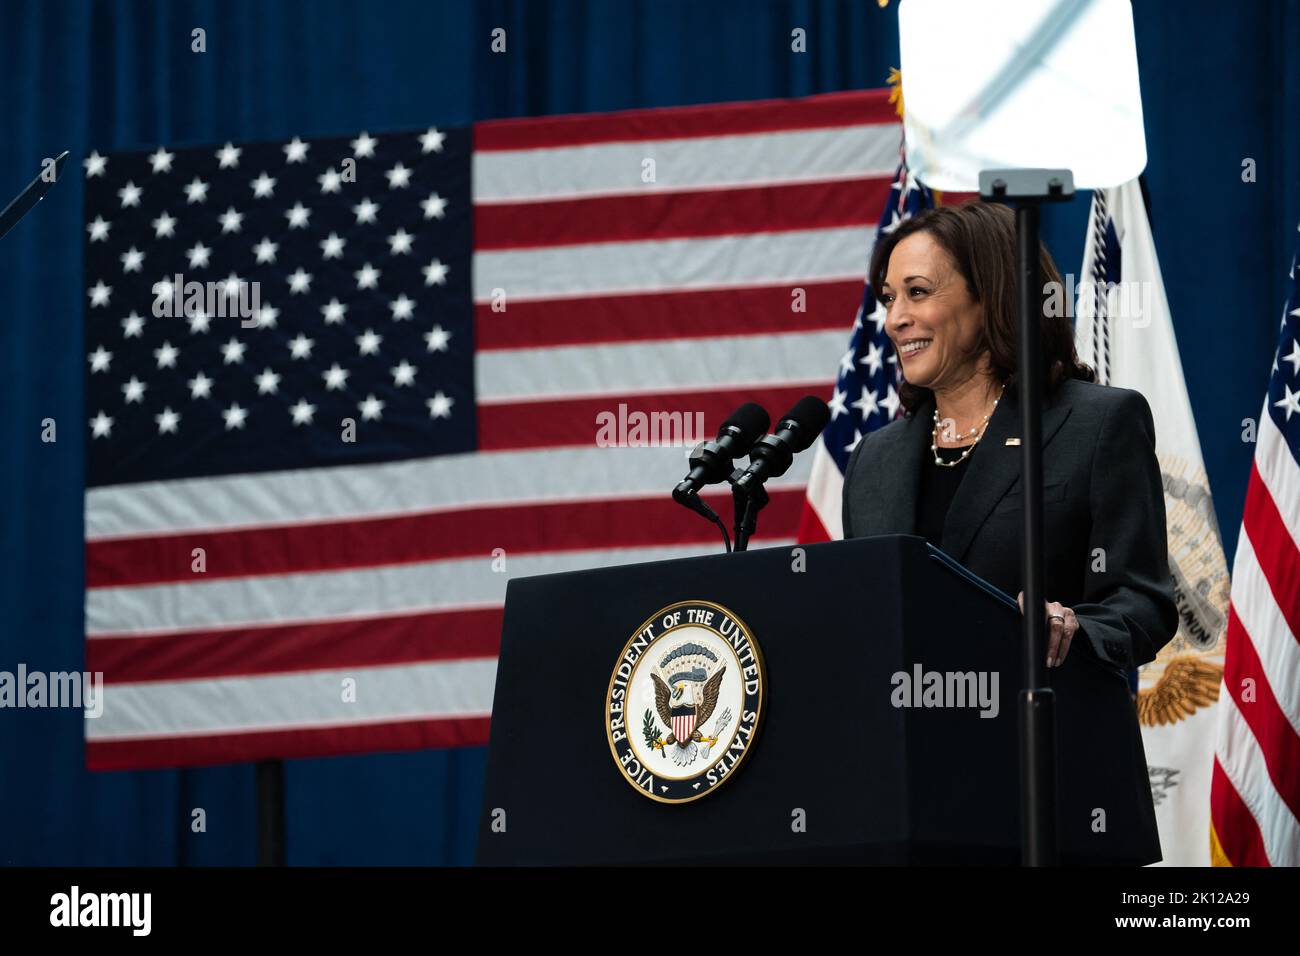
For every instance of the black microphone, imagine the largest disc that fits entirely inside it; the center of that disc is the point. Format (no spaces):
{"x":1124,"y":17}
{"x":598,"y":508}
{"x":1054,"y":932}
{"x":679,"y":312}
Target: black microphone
{"x":711,"y":460}
{"x":797,"y":429}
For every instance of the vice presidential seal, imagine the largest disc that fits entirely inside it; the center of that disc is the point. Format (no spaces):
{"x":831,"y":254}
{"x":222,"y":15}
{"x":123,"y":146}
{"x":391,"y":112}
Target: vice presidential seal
{"x":685,"y":701}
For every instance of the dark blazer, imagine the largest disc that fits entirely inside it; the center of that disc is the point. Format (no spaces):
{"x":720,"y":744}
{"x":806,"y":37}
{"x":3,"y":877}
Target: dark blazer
{"x":1101,"y":490}
{"x":1103,"y":499}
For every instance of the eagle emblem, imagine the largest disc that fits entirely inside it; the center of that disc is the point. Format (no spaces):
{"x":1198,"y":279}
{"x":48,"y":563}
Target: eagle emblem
{"x":687,"y":681}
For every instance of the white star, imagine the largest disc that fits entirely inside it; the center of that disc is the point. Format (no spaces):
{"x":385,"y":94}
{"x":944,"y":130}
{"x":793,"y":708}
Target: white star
{"x":334,"y":311}
{"x":100,"y":359}
{"x":233,"y":351}
{"x":367,"y":276}
{"x":399,"y":177}
{"x":890,"y":402}
{"x":99,"y":293}
{"x":836,"y":404}
{"x":302,"y":412}
{"x":368,"y":343}
{"x":101,"y":426}
{"x":134,"y":390}
{"x":402,"y":308}
{"x":298,"y":216}
{"x":200,"y":386}
{"x":267,"y":383}
{"x":1290,"y":401}
{"x":335,"y":377}
{"x":95,"y":165}
{"x":296,"y":151}
{"x":370,"y":408}
{"x":265,"y":250}
{"x":872,"y":360}
{"x":439,"y":405}
{"x":263,"y":186}
{"x":198,"y":255}
{"x":329,"y":180}
{"x":196,"y":191}
{"x":431,"y":141}
{"x":299,"y":281}
{"x":300,"y":347}
{"x":130,"y":194}
{"x":235,"y":416}
{"x":230,"y":286}
{"x":167,"y":421}
{"x":163,"y":289}
{"x":400,"y":242}
{"x":231,"y":220}
{"x":98,"y":229}
{"x":332,"y":247}
{"x":166,"y":355}
{"x":867,"y":404}
{"x":403,"y":373}
{"x":161,"y":161}
{"x":164,"y":225}
{"x":228,"y":156}
{"x":364,"y":145}
{"x":879,"y":315}
{"x":1294,"y":357}
{"x":266,"y":315}
{"x":199,"y":322}
{"x":365,"y":211}
{"x":132,"y":260}
{"x":437,"y":337}
{"x":857,"y":437}
{"x":132,"y":326}
{"x":846,"y":363}
{"x":434,"y":207}
{"x":435,"y":273}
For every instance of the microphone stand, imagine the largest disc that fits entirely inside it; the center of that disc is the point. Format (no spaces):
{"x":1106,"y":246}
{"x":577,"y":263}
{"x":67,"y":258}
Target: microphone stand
{"x":747,"y":503}
{"x":1026,"y":190}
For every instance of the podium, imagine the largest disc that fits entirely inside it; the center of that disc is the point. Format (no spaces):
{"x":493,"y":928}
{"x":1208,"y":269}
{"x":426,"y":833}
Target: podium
{"x":847,"y":765}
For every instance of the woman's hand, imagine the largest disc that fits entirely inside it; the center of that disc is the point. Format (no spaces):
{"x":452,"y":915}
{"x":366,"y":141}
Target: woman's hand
{"x":1062,"y":625}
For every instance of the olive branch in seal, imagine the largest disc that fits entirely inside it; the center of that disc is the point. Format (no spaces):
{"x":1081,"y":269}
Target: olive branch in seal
{"x":651,"y":731}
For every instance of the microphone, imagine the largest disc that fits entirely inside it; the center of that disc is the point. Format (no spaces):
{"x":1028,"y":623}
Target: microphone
{"x":711,"y":460}
{"x":772,"y":455}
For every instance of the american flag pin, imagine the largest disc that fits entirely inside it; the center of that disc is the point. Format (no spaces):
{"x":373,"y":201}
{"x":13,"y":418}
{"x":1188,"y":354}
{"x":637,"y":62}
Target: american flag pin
{"x":1013,"y":441}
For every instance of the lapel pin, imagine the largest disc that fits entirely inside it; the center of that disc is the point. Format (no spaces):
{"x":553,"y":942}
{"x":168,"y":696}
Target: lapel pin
{"x":1013,"y":441}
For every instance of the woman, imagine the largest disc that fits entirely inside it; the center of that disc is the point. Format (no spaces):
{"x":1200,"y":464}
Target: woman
{"x":949,"y":469}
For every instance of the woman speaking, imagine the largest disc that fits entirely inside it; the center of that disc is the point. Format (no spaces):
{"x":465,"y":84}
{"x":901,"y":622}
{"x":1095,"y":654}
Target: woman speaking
{"x":949,"y":469}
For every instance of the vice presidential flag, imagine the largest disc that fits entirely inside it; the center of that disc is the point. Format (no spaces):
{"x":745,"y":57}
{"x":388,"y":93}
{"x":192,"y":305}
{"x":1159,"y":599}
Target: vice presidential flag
{"x":1255,"y":794}
{"x":1123,"y":328}
{"x":339,"y":390}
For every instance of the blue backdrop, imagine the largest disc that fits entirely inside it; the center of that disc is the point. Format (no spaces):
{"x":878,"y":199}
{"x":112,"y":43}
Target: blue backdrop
{"x":1220,"y":83}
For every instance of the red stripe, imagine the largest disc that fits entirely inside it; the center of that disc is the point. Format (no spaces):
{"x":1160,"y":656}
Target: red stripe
{"x":1275,"y":550}
{"x":811,"y":529}
{"x":854,"y":108}
{"x":156,"y":752}
{"x":368,"y":642}
{"x":1273,"y":731}
{"x":468,"y":532}
{"x":670,"y":315}
{"x":680,"y":215}
{"x":1238,"y":832}
{"x":555,"y":422}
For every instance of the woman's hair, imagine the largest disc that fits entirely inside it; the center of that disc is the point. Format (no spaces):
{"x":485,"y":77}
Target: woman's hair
{"x":981,"y":238}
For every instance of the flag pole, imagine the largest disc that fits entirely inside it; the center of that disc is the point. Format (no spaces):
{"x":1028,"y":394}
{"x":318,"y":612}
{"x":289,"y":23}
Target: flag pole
{"x":270,"y":812}
{"x":1025,"y":190}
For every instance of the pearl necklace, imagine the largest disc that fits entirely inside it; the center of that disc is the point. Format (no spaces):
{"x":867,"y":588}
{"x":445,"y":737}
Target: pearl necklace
{"x":977,"y":433}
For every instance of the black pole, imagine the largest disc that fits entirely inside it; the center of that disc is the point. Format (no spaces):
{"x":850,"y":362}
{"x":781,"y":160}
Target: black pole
{"x":270,"y":812}
{"x":1026,"y":189}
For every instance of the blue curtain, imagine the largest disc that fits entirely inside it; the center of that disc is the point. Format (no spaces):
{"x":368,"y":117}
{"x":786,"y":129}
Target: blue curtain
{"x":1221,"y":83}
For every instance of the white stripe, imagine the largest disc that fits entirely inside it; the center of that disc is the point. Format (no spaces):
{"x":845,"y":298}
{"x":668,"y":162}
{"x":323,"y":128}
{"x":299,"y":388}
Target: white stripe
{"x":422,"y":485}
{"x":1243,"y":762}
{"x":341,"y":595}
{"x":1267,"y":629}
{"x":751,"y":159}
{"x":445,"y":689}
{"x":661,"y":265}
{"x":662,"y":365}
{"x":826,"y":492}
{"x":1280,"y":473}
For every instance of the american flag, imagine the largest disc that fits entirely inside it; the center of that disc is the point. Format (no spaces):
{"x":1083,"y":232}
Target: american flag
{"x":300,"y":523}
{"x":865,"y":395}
{"x":1255,"y":790}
